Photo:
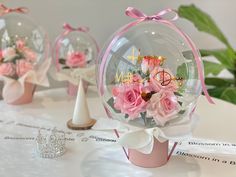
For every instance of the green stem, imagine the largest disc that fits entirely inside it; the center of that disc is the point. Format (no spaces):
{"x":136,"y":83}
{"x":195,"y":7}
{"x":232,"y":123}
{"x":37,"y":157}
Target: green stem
{"x":143,"y":116}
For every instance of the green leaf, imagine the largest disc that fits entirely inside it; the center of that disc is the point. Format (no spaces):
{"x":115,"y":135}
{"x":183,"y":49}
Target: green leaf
{"x":181,"y":112}
{"x":180,"y":103}
{"x":212,"y":68}
{"x":217,"y":92}
{"x":206,"y":53}
{"x":225,"y":93}
{"x":226,"y":57}
{"x":182,"y":71}
{"x":229,"y":95}
{"x":218,"y":82}
{"x":62,"y":61}
{"x":178,"y":94}
{"x":188,"y":55}
{"x":223,"y":88}
{"x":202,"y":21}
{"x":110,"y":102}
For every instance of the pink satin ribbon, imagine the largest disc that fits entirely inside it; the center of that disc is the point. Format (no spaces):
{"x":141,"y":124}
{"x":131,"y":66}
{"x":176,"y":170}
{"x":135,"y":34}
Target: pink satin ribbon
{"x":158,"y":17}
{"x":135,"y":13}
{"x":67,"y":29}
{"x":5,"y":10}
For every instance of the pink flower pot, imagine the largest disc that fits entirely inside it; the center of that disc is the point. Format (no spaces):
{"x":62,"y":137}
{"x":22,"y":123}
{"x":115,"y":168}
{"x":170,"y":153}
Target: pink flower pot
{"x":27,"y":96}
{"x":158,"y":157}
{"x":72,"y":89}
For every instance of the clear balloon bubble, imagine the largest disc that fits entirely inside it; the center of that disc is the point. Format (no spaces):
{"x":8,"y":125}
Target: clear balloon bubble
{"x":22,"y":41}
{"x":74,"y":50}
{"x":147,"y":76}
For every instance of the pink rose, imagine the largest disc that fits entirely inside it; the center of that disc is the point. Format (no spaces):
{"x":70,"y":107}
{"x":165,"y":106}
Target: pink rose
{"x":128,"y":99}
{"x":29,"y":54}
{"x":163,"y":106}
{"x":22,"y":67}
{"x":76,"y":59}
{"x":9,"y":53}
{"x":163,"y":79}
{"x":7,"y":69}
{"x":20,"y":44}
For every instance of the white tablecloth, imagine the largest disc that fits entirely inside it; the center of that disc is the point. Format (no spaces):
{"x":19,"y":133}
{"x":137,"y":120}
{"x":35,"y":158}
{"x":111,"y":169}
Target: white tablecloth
{"x":86,"y":157}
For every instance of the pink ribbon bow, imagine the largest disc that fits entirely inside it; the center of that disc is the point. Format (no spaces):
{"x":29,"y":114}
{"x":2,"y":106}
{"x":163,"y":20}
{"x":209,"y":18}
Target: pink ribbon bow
{"x":5,"y":10}
{"x":69,"y":29}
{"x":135,"y":13}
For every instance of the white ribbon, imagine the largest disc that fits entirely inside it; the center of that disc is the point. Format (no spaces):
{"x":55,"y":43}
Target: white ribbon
{"x":143,"y":139}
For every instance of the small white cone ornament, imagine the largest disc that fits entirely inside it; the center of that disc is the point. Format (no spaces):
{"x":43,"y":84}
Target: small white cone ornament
{"x":81,"y":118}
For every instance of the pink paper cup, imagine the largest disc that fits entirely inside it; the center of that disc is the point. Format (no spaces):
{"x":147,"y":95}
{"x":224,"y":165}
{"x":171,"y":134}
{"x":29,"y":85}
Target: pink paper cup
{"x":157,"y":158}
{"x":27,"y":96}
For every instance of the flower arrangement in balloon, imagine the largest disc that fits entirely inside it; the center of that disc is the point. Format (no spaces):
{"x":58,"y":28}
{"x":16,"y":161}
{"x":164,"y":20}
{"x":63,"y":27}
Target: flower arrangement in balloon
{"x":74,"y":54}
{"x":150,"y":76}
{"x":149,"y":91}
{"x":24,"y":59}
{"x":17,"y":59}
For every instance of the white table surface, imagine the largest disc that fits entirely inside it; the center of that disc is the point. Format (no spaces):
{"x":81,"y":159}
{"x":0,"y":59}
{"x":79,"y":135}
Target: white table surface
{"x":106,"y":159}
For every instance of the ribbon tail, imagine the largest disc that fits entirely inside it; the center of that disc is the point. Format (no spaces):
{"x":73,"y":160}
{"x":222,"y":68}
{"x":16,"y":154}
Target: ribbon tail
{"x":168,"y":11}
{"x":22,"y":10}
{"x":134,"y":13}
{"x":208,"y":97}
